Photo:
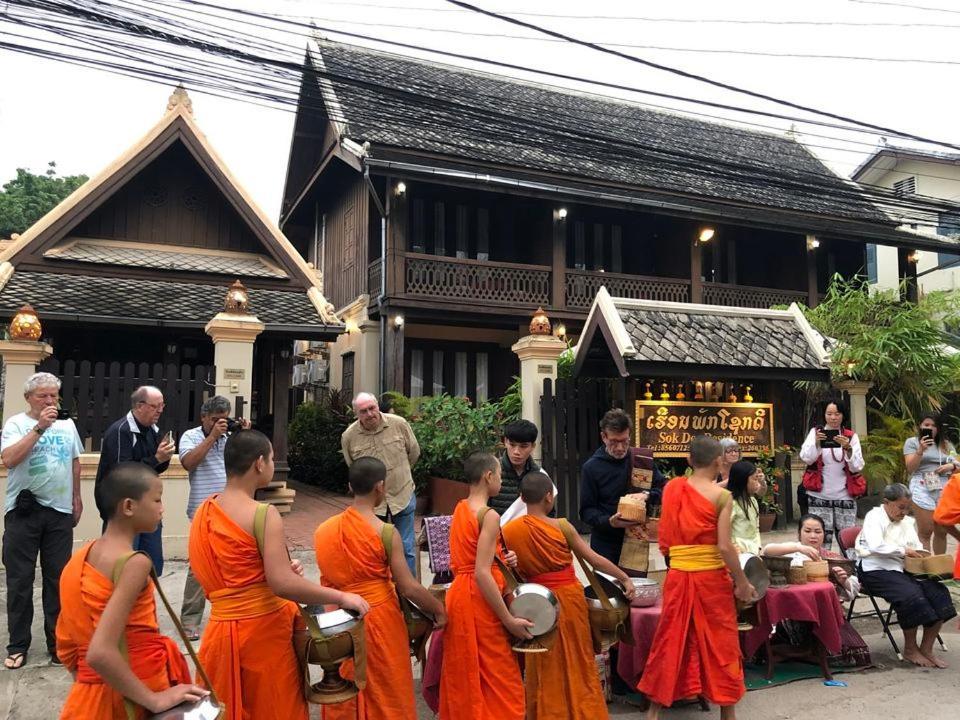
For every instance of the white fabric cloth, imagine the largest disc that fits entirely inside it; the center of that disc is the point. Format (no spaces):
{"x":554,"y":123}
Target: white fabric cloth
{"x":882,"y":543}
{"x":834,"y":478}
{"x":518,"y":508}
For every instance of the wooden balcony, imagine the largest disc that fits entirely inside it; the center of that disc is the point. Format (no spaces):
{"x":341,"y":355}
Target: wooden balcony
{"x":750,"y":297}
{"x":582,"y":287}
{"x":447,"y":278}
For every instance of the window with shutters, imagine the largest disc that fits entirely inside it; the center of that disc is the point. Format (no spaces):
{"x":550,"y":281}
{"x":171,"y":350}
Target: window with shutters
{"x":907,"y":186}
{"x":346,"y":375}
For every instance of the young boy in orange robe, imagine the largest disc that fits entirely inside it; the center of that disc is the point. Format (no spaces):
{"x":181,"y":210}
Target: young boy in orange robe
{"x":247,"y":647}
{"x":106,"y":595}
{"x":480,"y":678}
{"x":948,"y":512}
{"x":351,"y":556}
{"x":696,"y":649}
{"x":562,"y":682}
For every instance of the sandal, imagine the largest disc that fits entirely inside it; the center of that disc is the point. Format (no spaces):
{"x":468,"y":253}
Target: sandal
{"x":15,"y":661}
{"x":192,"y":633}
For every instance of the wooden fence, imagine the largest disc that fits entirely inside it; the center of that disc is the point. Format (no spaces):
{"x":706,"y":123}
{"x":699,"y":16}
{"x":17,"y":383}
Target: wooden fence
{"x":570,"y":412}
{"x":97,"y":394}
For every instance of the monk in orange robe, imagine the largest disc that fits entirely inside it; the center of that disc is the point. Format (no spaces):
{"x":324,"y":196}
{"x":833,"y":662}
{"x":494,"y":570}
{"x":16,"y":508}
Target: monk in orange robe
{"x":562,"y":682}
{"x":106,"y":595}
{"x":479,"y":678}
{"x":352,"y":556}
{"x":696,"y":649}
{"x":948,"y":513}
{"x":247,"y":647}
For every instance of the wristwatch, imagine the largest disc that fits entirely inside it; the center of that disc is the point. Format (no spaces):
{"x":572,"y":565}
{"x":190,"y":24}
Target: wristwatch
{"x":39,"y":430}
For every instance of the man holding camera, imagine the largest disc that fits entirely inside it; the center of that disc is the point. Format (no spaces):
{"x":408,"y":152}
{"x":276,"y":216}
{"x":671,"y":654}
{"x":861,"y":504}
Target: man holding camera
{"x":201,"y":454}
{"x":41,"y":450}
{"x":136,"y":438}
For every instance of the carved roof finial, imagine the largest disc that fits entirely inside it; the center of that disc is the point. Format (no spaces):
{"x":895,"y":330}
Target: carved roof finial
{"x":179,"y":97}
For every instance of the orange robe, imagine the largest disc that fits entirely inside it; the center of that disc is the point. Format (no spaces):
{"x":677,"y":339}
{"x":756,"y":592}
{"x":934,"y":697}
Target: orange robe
{"x":351,"y":558}
{"x":563,"y":682}
{"x":480,"y":678}
{"x":154,"y":658}
{"x":247,"y":647}
{"x":948,"y":511}
{"x":696,"y":648}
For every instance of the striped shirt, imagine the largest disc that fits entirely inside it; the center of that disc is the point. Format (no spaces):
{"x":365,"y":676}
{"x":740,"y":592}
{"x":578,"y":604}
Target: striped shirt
{"x":210,"y":476}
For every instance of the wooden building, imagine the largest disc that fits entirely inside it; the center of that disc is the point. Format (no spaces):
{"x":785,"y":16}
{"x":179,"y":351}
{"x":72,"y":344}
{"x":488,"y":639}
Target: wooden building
{"x":128,"y":270}
{"x":444,"y":205}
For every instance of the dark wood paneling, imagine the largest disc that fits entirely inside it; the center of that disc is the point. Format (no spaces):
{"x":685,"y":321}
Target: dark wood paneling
{"x":346,"y":244}
{"x":171,"y":202}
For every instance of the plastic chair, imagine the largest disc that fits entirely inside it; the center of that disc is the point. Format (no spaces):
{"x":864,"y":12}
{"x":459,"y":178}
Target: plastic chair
{"x":847,"y":540}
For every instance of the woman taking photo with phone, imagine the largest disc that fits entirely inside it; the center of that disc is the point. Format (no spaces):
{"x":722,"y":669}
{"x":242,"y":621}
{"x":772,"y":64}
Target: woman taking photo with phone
{"x":832,"y":479}
{"x":931,"y":460}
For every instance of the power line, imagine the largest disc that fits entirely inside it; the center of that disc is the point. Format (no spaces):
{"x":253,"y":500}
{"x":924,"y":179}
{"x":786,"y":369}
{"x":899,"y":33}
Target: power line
{"x":568,"y":134}
{"x":699,"y":78}
{"x":906,"y":5}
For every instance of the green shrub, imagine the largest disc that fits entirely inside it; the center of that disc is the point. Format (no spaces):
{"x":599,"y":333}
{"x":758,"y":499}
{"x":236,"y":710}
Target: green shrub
{"x":314,"y":436}
{"x":400,"y":404}
{"x":883,"y":451}
{"x":448,"y":429}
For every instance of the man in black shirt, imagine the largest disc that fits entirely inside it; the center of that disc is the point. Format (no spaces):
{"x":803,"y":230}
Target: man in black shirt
{"x":136,"y":438}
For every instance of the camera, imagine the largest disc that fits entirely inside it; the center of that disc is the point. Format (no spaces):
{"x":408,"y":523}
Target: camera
{"x":831,"y":439}
{"x":233,"y":425}
{"x":63,"y":414}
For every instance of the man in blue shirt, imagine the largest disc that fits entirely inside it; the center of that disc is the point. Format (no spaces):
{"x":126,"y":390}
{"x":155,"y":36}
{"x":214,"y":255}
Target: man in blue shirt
{"x":136,"y":438}
{"x":42,"y":506}
{"x":201,"y":454}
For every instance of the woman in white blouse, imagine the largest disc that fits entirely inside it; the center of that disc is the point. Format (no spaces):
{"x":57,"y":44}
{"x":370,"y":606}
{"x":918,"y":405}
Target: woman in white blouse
{"x":888,"y":536}
{"x":832,"y":480}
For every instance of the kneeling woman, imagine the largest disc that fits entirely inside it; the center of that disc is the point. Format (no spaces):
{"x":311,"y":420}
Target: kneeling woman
{"x":888,"y":536}
{"x":809,"y":546}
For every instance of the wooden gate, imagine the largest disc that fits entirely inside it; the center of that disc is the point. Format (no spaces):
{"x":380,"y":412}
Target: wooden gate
{"x":570,"y":412}
{"x":97,"y":394}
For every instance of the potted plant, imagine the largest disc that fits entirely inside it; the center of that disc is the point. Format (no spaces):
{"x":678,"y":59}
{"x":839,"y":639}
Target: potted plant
{"x":775,"y":466}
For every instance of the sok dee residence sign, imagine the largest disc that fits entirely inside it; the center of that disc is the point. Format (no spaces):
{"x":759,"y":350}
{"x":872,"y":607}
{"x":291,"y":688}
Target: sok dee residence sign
{"x":668,"y":426}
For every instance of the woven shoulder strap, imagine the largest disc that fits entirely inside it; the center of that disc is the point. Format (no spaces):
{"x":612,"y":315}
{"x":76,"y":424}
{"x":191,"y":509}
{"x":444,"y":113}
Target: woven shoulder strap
{"x":386,"y":537}
{"x":260,"y":525}
{"x":568,"y":531}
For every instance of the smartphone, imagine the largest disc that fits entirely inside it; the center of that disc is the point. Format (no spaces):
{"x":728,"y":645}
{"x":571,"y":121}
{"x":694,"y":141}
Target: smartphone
{"x":926,"y":433}
{"x":168,"y":438}
{"x":831,"y":440}
{"x":63,"y":414}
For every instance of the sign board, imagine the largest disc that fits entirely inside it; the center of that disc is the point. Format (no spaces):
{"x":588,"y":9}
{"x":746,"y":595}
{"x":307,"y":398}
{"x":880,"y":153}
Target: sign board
{"x":234,"y":373}
{"x":668,"y":426}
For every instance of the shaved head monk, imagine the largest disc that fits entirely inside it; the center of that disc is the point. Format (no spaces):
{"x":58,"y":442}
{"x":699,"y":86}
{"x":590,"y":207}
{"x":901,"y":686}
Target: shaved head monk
{"x":107,"y":597}
{"x":358,"y":552}
{"x":562,"y":683}
{"x":247,"y":647}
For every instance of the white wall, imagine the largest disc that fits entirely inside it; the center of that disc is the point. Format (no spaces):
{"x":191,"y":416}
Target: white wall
{"x":363,"y":340}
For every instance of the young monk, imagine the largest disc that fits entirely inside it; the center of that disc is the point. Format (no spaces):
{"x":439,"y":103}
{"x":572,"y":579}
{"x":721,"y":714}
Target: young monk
{"x":106,"y":596}
{"x":351,"y":556}
{"x":479,"y":678}
{"x":696,"y":650}
{"x":563,"y":682}
{"x":247,"y":647}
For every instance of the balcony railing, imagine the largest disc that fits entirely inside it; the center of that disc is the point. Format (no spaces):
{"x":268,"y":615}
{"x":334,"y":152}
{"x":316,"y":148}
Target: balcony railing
{"x":582,"y":287}
{"x":374,"y":278}
{"x":475,"y":280}
{"x":751,"y":297}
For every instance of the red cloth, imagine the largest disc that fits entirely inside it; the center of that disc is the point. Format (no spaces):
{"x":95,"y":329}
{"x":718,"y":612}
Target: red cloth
{"x":633,"y":658}
{"x":815,"y":603}
{"x":696,"y":648}
{"x":430,"y":685}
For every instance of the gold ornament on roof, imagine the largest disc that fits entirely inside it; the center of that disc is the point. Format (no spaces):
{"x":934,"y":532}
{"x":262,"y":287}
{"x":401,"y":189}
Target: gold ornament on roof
{"x":179,"y":98}
{"x":540,"y":325}
{"x":237,"y":299}
{"x":26,"y":325}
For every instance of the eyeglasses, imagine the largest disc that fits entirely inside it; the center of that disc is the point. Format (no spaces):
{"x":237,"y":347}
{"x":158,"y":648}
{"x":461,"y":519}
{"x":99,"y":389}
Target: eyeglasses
{"x":158,"y":406}
{"x":618,"y":443}
{"x":733,"y":450}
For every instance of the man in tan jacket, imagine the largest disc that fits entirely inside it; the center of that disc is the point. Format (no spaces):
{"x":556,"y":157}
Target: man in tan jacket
{"x":389,"y":439}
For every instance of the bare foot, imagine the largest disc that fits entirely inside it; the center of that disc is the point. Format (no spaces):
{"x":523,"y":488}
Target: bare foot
{"x":918,"y":658}
{"x":937,"y":662}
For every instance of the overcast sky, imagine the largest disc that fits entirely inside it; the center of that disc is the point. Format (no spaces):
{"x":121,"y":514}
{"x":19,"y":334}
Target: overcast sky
{"x":83,"y":118}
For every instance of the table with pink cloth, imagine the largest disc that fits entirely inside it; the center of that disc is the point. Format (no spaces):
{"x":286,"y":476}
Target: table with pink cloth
{"x":816,"y":603}
{"x":633,"y":658}
{"x":430,"y":683}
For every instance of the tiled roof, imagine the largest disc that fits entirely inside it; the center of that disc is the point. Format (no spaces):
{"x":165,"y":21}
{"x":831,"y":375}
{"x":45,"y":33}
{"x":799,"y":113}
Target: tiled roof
{"x":234,"y":265}
{"x":735,"y":339}
{"x":100,"y":298}
{"x":392,"y":101}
